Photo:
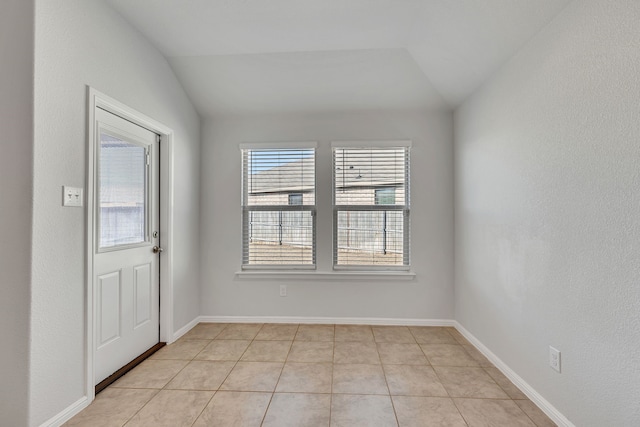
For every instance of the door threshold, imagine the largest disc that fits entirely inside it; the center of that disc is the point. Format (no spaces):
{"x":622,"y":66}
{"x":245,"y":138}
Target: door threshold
{"x":126,"y":368}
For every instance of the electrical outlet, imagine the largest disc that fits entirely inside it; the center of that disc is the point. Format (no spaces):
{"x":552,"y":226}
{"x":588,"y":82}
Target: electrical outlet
{"x":283,"y":290}
{"x":554,"y":358}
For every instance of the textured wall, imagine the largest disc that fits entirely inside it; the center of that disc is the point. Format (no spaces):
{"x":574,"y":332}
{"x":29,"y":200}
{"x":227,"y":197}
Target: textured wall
{"x":547,"y":207}
{"x":79,"y":43}
{"x":16,"y":178}
{"x":429,"y":296}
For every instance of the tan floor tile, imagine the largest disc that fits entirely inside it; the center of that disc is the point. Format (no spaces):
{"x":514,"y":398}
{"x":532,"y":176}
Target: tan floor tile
{"x":395,"y":334}
{"x":201,"y":375}
{"x":432,"y":335}
{"x":469,"y":382}
{"x":407,"y":354}
{"x":413,"y":380}
{"x":359,"y":379}
{"x":458,"y":336}
{"x":112,"y":407}
{"x":267,"y":351}
{"x":356,"y":352}
{"x":237,"y":409}
{"x":504,"y":383}
{"x":536,"y":415}
{"x":311,"y":351}
{"x":204,"y":331}
{"x":277,"y":332}
{"x":298,"y":410}
{"x":492,"y":413}
{"x":315,"y":333}
{"x":306,"y":378}
{"x":151,"y":374}
{"x":290,"y":374}
{"x":224,"y":350}
{"x":477,"y":356}
{"x":354,"y":333}
{"x":180,"y":350}
{"x":240,"y":331}
{"x":348,"y":410}
{"x":172,"y":408}
{"x":447,"y":355}
{"x":427,"y":412}
{"x":253,"y":376}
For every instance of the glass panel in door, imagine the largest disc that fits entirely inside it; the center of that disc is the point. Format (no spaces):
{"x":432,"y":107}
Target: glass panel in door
{"x":123,"y":191}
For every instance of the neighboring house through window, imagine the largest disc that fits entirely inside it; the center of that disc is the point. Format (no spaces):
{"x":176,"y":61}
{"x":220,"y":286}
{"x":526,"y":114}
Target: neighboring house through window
{"x":295,"y":199}
{"x":385,"y":196}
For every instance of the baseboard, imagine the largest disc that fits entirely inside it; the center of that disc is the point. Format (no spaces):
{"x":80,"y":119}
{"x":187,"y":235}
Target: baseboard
{"x":67,"y":414}
{"x":544,"y":405}
{"x":186,"y":328}
{"x":327,"y":320}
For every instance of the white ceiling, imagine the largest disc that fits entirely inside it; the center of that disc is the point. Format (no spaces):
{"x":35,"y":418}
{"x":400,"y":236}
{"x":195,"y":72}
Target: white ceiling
{"x":256,"y":56}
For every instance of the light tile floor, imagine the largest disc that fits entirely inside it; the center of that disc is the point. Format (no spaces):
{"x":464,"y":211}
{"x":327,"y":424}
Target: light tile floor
{"x":314,"y":375}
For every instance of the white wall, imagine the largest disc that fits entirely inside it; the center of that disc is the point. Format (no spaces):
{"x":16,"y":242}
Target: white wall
{"x":429,"y":296}
{"x":16,"y":178}
{"x":79,"y":43}
{"x":547,"y":207}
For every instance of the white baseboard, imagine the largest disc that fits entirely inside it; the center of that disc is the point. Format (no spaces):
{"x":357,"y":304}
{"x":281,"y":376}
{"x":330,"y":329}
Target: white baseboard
{"x":327,"y":320}
{"x":186,"y":328}
{"x":544,"y":405}
{"x":67,"y":414}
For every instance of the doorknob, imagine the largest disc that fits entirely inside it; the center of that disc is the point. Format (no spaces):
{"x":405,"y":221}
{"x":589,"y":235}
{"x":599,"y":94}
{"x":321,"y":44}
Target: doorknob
{"x":157,"y":249}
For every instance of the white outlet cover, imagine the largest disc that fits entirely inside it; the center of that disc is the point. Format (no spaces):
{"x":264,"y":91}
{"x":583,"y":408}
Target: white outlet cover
{"x":554,"y":358}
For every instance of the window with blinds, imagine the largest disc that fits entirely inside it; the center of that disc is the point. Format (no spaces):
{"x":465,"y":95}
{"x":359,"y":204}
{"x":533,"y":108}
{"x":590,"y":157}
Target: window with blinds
{"x":371,"y":205}
{"x":278,"y":206}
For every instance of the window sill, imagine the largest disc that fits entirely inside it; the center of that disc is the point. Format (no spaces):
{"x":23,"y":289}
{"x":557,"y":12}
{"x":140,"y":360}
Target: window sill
{"x":325,"y":275}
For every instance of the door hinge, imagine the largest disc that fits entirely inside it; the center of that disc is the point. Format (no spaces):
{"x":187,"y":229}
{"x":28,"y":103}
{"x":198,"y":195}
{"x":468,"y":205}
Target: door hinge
{"x":148,"y":158}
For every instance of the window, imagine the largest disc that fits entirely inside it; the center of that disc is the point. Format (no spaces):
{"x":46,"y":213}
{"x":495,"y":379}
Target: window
{"x":385,"y":196}
{"x":124,"y":188}
{"x":278,"y":206}
{"x":371,"y":205}
{"x":295,"y":199}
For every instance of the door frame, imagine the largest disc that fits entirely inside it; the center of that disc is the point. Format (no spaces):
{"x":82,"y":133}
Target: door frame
{"x":97,"y":99}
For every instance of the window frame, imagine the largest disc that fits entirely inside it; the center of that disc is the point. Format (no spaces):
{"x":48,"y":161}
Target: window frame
{"x":406,"y":208}
{"x":246,"y":209}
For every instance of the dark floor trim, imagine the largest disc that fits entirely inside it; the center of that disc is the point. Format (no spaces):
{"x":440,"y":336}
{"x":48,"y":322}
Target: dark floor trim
{"x":126,"y":368}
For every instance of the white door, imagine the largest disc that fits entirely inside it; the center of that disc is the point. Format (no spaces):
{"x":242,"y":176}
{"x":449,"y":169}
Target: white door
{"x":126,"y":259}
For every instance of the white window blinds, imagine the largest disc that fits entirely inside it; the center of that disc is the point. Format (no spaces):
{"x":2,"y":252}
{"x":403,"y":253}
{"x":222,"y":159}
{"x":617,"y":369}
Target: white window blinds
{"x":278,"y":207}
{"x":371,"y":206}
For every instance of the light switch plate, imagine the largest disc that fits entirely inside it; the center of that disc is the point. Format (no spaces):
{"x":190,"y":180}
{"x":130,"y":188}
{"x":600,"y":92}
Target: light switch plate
{"x":71,"y":196}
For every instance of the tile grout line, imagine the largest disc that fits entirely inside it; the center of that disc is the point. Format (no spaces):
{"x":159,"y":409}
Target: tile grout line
{"x":445,"y":389}
{"x":275,"y":387}
{"x":386,"y":381}
{"x":215,"y":391}
{"x":333,"y":362}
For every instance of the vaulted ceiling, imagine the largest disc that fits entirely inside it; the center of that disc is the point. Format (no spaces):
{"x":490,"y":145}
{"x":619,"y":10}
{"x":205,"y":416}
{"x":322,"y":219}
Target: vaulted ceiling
{"x":265,"y":56}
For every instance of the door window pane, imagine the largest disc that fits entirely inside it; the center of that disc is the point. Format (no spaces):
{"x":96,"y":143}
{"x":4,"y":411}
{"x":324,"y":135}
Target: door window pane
{"x":123,"y":192}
